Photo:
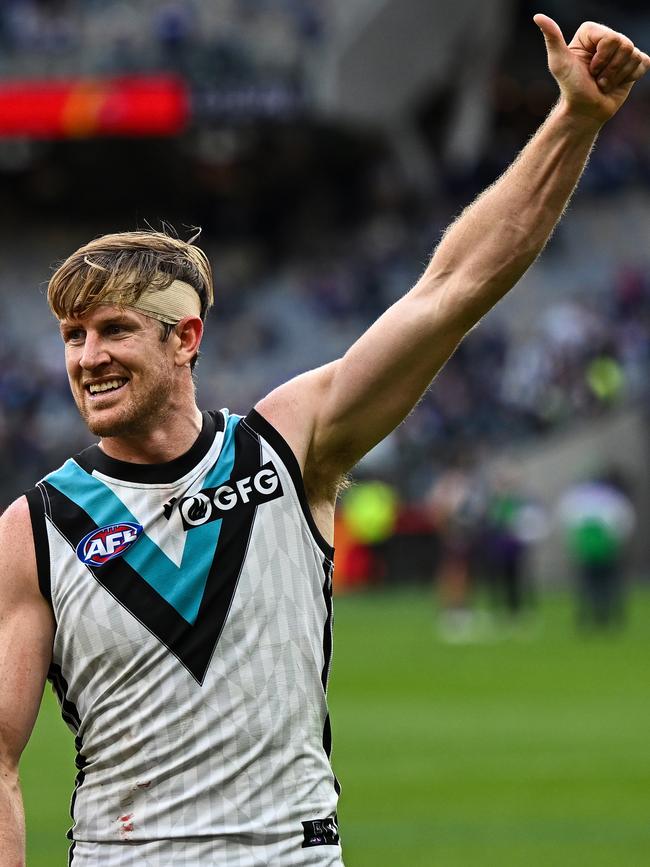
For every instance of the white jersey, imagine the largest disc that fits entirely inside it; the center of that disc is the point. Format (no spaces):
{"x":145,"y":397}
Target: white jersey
{"x":192,"y":652}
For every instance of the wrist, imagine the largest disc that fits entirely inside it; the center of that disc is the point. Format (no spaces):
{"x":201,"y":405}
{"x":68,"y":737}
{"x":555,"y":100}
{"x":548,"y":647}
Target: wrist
{"x":577,"y":119}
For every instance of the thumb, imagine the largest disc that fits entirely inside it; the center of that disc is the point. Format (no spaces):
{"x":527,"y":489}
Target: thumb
{"x":555,"y":44}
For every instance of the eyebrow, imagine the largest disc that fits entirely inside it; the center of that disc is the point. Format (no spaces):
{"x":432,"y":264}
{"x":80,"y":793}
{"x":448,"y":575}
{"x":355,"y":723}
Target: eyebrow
{"x":114,"y":319}
{"x":68,"y":326}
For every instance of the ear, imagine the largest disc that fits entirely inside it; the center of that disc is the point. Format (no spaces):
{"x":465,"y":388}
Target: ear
{"x":188,"y":334}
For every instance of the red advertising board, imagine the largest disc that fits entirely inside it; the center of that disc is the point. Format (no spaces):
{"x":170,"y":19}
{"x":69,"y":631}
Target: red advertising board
{"x":155,"y":105}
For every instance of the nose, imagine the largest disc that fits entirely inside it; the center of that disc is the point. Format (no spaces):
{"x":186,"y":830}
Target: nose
{"x":94,"y":352}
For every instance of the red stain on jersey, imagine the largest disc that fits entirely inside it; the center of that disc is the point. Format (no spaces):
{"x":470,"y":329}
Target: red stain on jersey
{"x":127,"y":824}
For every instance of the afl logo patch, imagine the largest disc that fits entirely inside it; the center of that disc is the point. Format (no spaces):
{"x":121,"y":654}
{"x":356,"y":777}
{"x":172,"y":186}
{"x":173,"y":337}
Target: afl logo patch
{"x":106,"y":543}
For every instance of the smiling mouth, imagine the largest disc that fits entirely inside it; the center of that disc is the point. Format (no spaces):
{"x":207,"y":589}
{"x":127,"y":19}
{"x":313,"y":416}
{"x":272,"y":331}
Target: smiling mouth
{"x":110,"y":386}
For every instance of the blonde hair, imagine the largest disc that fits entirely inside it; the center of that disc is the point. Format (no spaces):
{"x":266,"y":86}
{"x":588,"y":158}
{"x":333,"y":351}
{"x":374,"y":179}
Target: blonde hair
{"x":118,"y":268}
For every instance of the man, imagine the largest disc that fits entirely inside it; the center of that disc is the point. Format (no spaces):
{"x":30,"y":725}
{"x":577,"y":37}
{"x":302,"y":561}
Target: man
{"x":175,"y":579}
{"x":598,"y":519}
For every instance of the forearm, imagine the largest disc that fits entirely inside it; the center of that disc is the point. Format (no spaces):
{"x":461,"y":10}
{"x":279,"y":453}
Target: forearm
{"x":26,"y":638}
{"x":12,"y":820}
{"x":495,"y":240}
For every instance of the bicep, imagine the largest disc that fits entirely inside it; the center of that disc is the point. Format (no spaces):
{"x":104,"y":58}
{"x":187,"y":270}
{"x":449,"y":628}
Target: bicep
{"x":383,"y":375}
{"x":26,"y":634}
{"x":333,"y":415}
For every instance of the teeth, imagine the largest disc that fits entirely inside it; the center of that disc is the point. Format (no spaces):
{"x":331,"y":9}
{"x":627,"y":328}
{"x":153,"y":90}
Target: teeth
{"x":95,"y":388}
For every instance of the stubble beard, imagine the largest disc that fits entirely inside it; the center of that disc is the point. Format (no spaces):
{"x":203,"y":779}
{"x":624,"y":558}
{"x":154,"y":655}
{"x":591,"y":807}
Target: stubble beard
{"x":137,"y":416}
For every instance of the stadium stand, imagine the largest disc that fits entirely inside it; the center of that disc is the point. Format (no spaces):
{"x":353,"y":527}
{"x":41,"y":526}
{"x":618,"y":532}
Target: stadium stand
{"x":313,"y":229}
{"x":582,"y":350}
{"x":229,"y":42}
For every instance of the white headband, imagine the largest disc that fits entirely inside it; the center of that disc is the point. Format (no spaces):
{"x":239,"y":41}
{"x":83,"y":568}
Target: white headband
{"x":169,"y":305}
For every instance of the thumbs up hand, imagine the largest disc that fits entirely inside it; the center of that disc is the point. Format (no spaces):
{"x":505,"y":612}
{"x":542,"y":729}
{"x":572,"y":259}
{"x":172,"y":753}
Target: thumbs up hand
{"x":596,"y":70}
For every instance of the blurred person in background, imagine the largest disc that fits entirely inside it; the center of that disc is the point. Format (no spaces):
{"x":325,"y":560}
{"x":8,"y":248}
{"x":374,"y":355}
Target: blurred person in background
{"x":513,"y":522}
{"x":369,"y":512}
{"x":457,"y":504}
{"x":174,"y":580}
{"x":598,"y":518}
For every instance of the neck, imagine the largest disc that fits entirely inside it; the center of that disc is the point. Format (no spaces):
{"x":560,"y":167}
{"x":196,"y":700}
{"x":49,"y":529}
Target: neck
{"x":165,"y":441}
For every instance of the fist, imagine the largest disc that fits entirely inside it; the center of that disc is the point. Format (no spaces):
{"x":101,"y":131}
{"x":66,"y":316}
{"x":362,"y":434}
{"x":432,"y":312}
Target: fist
{"x":596,"y":70}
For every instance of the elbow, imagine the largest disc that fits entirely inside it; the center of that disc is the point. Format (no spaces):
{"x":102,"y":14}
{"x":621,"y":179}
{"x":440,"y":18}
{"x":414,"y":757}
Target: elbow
{"x":454,"y":302}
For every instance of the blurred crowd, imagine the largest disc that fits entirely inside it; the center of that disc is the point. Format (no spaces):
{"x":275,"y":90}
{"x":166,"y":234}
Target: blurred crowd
{"x":569,"y":353}
{"x":219,"y":42}
{"x":323,"y":254}
{"x":579,"y":359}
{"x":576,"y":350}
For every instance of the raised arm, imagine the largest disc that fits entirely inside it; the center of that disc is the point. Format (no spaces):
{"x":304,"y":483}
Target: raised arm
{"x":26,"y":635}
{"x":334,"y":415}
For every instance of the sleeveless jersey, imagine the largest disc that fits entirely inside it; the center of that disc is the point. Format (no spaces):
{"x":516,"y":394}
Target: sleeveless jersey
{"x":192,"y":652}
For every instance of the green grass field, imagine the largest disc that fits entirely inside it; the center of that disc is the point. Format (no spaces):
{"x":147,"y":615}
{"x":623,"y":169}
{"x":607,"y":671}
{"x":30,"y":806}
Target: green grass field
{"x":523,"y":750}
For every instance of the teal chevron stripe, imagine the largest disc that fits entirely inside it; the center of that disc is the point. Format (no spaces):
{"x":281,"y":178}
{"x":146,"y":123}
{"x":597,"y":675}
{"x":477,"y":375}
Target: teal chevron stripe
{"x":181,"y":586}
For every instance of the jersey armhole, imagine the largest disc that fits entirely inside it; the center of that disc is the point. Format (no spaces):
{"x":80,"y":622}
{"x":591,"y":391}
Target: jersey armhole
{"x":37,"y":513}
{"x":275,"y":439}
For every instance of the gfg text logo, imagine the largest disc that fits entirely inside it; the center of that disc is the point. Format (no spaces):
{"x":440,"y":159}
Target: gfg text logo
{"x":210,"y":504}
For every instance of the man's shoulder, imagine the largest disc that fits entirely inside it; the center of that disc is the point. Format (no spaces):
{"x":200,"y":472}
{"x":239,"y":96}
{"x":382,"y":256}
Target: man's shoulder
{"x":292,"y":409}
{"x":17,"y":544}
{"x":18,"y":522}
{"x":16,"y":514}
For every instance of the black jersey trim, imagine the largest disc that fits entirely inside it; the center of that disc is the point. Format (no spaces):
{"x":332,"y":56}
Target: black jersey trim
{"x":37,"y":512}
{"x":192,"y":644}
{"x":265,"y":429}
{"x":69,"y":711}
{"x":80,"y":762}
{"x":71,"y":716}
{"x":327,"y":746}
{"x":328,"y":569}
{"x":329,"y":624}
{"x":93,"y":458}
